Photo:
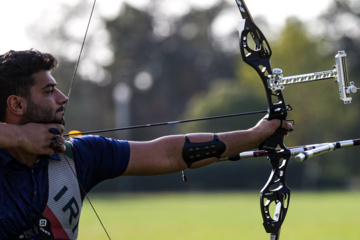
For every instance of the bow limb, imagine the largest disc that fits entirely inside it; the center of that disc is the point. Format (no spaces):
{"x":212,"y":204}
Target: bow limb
{"x":256,"y":52}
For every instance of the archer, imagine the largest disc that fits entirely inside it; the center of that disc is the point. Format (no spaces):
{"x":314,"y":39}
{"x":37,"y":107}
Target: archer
{"x":44,"y":178}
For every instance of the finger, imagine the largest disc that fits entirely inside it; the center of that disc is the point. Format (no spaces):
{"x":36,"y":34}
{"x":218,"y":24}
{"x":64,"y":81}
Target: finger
{"x":59,"y":148}
{"x":49,"y":151}
{"x":57,"y":143}
{"x":287,"y":126}
{"x":53,"y":144}
{"x":61,"y":127}
{"x":55,"y":130}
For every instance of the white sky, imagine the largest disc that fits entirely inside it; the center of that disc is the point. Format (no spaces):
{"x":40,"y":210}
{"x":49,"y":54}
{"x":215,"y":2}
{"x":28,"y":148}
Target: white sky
{"x":16,"y":15}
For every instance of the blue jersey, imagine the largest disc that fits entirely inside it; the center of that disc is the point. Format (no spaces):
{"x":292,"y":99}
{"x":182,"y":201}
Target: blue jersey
{"x":24,"y":190}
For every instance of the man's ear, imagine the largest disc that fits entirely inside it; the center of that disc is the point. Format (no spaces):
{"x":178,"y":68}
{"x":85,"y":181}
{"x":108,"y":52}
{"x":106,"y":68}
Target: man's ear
{"x":16,"y":105}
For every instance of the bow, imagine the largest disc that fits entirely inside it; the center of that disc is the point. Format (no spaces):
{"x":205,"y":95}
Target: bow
{"x":256,"y":52}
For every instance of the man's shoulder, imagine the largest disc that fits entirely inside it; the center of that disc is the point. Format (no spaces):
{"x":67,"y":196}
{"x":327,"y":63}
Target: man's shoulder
{"x":95,"y":143}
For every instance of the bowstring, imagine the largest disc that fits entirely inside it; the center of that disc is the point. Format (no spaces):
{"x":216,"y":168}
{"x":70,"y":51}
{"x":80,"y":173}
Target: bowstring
{"x":79,"y":58}
{"x":68,"y":97}
{"x":87,"y":197}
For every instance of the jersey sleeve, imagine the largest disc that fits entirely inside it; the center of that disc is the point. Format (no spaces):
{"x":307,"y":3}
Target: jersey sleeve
{"x":98,"y":158}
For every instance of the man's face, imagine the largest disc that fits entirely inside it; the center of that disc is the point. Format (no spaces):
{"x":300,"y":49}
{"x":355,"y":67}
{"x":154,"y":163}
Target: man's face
{"x":46,"y":102}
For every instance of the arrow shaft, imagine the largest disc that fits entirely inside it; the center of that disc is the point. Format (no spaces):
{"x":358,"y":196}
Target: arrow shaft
{"x":170,"y":123}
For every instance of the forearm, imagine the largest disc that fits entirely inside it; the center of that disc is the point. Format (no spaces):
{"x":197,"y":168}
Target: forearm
{"x":221,"y":145}
{"x":235,"y":141}
{"x":32,"y":137}
{"x":166,"y":152}
{"x":10,"y":136}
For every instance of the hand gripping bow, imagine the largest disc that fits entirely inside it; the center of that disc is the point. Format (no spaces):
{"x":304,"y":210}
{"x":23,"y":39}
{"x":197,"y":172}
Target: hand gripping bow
{"x":256,"y":52}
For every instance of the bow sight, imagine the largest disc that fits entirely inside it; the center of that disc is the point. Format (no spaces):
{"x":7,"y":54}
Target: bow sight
{"x":339,"y":73}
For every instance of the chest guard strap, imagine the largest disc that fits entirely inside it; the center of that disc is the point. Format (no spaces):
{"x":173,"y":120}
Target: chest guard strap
{"x":193,"y":152}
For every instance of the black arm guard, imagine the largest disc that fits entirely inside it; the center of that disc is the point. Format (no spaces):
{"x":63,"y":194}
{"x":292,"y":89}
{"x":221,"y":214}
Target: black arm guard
{"x":193,"y":152}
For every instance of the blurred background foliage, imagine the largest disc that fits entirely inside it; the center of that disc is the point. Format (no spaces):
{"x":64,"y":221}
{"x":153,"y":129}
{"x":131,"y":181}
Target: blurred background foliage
{"x":168,"y":68}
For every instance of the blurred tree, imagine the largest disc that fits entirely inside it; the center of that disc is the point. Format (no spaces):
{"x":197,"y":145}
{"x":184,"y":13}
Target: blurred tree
{"x":164,"y":72}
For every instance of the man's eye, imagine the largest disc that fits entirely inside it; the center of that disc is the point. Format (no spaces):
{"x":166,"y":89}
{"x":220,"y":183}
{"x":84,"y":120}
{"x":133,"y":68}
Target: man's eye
{"x":51,"y":90}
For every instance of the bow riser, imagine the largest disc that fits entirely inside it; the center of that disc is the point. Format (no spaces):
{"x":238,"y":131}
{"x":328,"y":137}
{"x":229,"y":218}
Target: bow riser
{"x":275,"y":192}
{"x":259,"y":59}
{"x":256,"y":52}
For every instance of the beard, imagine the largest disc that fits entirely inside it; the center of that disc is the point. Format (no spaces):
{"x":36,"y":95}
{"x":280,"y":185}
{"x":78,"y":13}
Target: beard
{"x":40,"y":114}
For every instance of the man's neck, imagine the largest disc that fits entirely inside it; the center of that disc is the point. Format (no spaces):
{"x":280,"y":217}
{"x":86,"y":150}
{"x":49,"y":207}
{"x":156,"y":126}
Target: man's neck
{"x":22,"y":156}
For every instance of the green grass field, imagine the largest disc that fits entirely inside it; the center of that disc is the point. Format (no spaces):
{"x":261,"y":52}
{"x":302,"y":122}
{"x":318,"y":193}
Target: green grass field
{"x":194,"y":216}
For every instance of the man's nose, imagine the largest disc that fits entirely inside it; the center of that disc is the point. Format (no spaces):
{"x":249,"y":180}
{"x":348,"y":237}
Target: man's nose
{"x":62,"y":98}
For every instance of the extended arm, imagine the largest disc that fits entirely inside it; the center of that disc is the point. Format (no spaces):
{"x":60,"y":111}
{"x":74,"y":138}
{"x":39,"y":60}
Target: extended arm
{"x":164,"y":155}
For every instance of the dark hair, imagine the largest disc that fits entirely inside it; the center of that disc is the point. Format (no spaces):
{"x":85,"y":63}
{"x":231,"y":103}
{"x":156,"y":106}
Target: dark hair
{"x":16,"y":70}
